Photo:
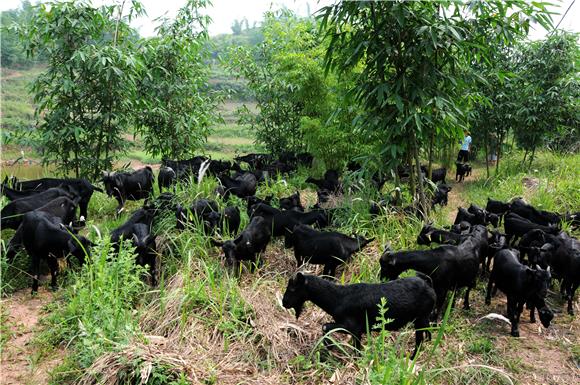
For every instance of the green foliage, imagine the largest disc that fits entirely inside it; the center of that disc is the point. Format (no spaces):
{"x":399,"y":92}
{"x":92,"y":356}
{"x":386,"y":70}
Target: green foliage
{"x":97,"y":311}
{"x":12,"y":54}
{"x":176,"y":108}
{"x":548,"y":90}
{"x":285,"y":76}
{"x":413,"y":57}
{"x":86,"y":95}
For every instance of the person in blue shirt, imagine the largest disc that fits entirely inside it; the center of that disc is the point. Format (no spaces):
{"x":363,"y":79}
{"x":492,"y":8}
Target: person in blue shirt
{"x":463,"y":155}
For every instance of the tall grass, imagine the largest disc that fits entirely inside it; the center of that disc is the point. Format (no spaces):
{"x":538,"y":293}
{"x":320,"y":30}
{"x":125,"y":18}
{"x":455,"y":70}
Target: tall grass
{"x":97,"y":311}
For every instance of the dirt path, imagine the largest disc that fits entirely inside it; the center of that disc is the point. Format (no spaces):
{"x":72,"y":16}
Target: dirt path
{"x":456,"y":197}
{"x":11,"y":75}
{"x":21,"y":362}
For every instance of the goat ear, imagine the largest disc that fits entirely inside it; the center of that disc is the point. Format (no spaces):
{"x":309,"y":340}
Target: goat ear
{"x":300,"y":278}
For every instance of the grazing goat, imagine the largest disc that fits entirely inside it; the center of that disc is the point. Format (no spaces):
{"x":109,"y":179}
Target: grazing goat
{"x":59,"y":210}
{"x":498,"y":208}
{"x":440,"y":197}
{"x":230,"y":219}
{"x":438,"y":175}
{"x":463,"y":170}
{"x":12,"y":214}
{"x":326,"y":248}
{"x":252,"y":241}
{"x":516,"y":227}
{"x":519,"y":283}
{"x":204,"y":210}
{"x":76,"y":186}
{"x":145,"y":248}
{"x":478,"y":218}
{"x":133,"y":186}
{"x":563,"y":255}
{"x":450,"y":267}
{"x":291,"y":202}
{"x":355,"y":306}
{"x":46,"y":240}
{"x":283,"y":222}
{"x":541,"y":217}
{"x":166,"y":177}
{"x":489,"y":218}
{"x":431,"y":234}
{"x":243,"y":185}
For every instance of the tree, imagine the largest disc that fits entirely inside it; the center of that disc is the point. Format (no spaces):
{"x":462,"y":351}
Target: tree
{"x":12,"y":53}
{"x":547,"y":90}
{"x":85,"y":98}
{"x":413,"y":55}
{"x":286,"y":78}
{"x":176,"y":106}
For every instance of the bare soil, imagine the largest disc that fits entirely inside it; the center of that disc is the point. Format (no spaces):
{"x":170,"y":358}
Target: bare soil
{"x":21,"y":361}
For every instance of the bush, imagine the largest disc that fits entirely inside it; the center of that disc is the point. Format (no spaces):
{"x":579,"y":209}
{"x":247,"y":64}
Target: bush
{"x":96,"y":313}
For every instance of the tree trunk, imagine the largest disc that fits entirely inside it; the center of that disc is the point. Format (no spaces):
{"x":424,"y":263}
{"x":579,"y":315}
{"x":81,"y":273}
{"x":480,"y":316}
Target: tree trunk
{"x":532,"y":156}
{"x":486,"y":144}
{"x":499,"y":143}
{"x":422,"y":201}
{"x":411,"y":174}
{"x":430,"y":166}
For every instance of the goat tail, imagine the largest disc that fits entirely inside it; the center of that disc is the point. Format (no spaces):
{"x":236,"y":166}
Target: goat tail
{"x":97,"y":189}
{"x":425,"y":278}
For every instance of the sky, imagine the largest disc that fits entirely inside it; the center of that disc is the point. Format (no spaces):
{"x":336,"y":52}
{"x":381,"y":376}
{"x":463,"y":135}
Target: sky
{"x":224,"y":12}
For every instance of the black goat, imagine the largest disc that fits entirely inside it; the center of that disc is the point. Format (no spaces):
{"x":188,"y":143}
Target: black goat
{"x":498,"y":208}
{"x":243,"y":185}
{"x":145,"y":248}
{"x":166,"y":177}
{"x":252,"y":241}
{"x":431,"y":234}
{"x":489,"y":218}
{"x":12,"y":214}
{"x":440,"y":197}
{"x":541,"y":217}
{"x":355,"y":306}
{"x":76,"y":186}
{"x":231,"y":219}
{"x":283,"y":222}
{"x":291,"y":202}
{"x":450,"y":267}
{"x":327,"y":248}
{"x":463,"y":170}
{"x":204,"y":210}
{"x":330,"y":182}
{"x":59,"y":211}
{"x":46,"y":240}
{"x":517,"y":226}
{"x":133,"y":186}
{"x":563,"y":255}
{"x":519,"y":283}
{"x":473,"y":219}
{"x":438,"y":175}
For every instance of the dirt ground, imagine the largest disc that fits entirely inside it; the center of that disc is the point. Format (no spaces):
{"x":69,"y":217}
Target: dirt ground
{"x":540,"y":356}
{"x":21,"y":362}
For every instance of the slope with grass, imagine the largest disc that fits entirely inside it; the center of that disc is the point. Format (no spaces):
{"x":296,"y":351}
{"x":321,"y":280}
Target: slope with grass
{"x":204,"y":325}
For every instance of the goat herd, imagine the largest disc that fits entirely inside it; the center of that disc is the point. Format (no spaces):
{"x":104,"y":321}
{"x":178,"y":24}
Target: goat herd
{"x":532,"y":251}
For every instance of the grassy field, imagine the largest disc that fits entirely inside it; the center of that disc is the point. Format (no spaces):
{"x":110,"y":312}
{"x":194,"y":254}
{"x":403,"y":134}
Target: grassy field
{"x":17,"y":113}
{"x":203,"y":324}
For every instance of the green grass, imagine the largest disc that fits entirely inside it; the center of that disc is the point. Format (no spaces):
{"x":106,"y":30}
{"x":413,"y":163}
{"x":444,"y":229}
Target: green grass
{"x":202,"y":309}
{"x":17,"y":107}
